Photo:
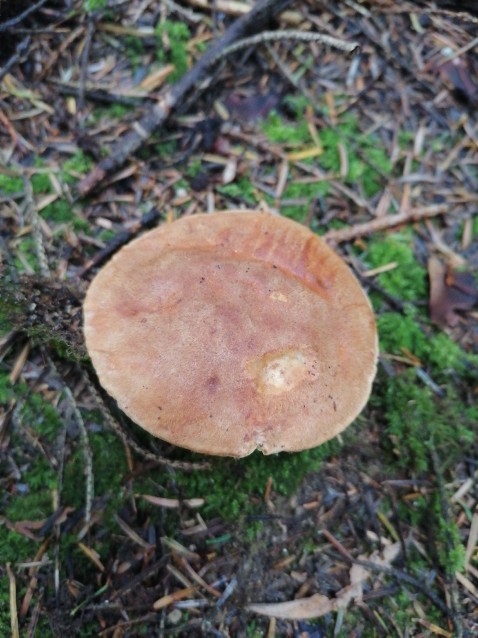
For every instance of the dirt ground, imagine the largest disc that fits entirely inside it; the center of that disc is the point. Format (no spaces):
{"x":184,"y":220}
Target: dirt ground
{"x":357,"y":119}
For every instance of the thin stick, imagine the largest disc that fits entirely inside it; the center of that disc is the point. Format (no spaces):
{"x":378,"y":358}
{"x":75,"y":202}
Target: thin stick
{"x":85,"y":442}
{"x":84,"y":62}
{"x":456,"y":616}
{"x":383,"y":223}
{"x":13,"y":602}
{"x":149,"y":219}
{"x":20,"y":49}
{"x":155,"y":116}
{"x":87,"y":453}
{"x":34,"y":219}
{"x":303,"y":36}
{"x":4,"y":26}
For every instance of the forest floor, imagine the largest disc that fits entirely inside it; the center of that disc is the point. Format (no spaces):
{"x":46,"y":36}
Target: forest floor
{"x":372,"y":534}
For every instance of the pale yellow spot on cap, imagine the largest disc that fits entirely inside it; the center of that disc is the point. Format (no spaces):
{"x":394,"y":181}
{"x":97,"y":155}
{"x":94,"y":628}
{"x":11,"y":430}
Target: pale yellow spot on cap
{"x":278,"y":296}
{"x":281,"y":371}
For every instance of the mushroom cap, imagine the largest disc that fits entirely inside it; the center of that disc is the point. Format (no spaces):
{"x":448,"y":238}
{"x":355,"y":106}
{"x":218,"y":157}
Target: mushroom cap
{"x":232,"y":331}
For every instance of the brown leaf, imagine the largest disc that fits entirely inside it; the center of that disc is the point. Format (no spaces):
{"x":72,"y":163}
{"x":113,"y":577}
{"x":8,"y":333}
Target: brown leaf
{"x":450,"y":290}
{"x":312,"y":607}
{"x":318,"y":605}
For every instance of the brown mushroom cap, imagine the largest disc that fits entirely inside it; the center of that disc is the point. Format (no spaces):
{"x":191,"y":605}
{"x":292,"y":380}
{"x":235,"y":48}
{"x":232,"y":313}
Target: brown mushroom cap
{"x":232,"y":331}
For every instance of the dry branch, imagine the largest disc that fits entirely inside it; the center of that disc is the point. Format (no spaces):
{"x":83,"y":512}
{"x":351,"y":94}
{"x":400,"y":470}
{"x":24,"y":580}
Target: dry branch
{"x":9,"y":24}
{"x":383,"y":223}
{"x":154,"y":117}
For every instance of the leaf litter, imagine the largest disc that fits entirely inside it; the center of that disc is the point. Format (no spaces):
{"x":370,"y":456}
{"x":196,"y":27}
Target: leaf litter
{"x":380,"y":141}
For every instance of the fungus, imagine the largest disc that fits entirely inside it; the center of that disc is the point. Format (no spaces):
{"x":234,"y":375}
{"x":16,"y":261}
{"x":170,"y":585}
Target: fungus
{"x":233,"y":331}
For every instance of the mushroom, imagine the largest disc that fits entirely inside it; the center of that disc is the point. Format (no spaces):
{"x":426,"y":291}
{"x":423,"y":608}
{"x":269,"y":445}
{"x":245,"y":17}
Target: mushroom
{"x":232,"y":331}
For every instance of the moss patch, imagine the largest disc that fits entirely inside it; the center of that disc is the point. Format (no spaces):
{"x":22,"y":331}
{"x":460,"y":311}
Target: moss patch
{"x":177,"y":35}
{"x":10,"y":184}
{"x":416,"y":419}
{"x":242,"y":190}
{"x":236,"y":487}
{"x":408,"y":280}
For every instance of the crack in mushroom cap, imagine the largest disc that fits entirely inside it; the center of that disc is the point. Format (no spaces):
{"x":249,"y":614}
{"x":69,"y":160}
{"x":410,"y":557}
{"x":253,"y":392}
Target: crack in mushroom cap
{"x":227,"y":332}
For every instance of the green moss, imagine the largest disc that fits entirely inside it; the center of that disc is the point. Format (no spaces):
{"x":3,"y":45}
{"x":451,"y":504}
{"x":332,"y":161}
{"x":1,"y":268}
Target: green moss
{"x":134,"y":49}
{"x":474,"y":226}
{"x":10,"y":184}
{"x":178,"y":36}
{"x":279,"y":131}
{"x":240,"y":189}
{"x":296,"y":102}
{"x":6,"y":389}
{"x":106,"y":235}
{"x":309,"y":192}
{"x":26,"y":246}
{"x":5,"y":626}
{"x":366,"y":158}
{"x":15,"y":547}
{"x":41,"y":183}
{"x":112,"y":112}
{"x":445,"y":546}
{"x":195,"y":167}
{"x":408,"y":281}
{"x":41,"y":415}
{"x":451,"y":551}
{"x":95,"y":5}
{"x":75,"y":167}
{"x":436,"y":351}
{"x":6,"y":323}
{"x":401,"y":609}
{"x":167,"y":150}
{"x":416,"y":419}
{"x":108,"y":453}
{"x":398,"y":332}
{"x":34,"y":506}
{"x":62,"y":212}
{"x":447,"y":357}
{"x":235,"y":487}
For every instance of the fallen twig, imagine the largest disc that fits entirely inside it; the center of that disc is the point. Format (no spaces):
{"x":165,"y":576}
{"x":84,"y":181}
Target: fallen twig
{"x":235,"y":8}
{"x":8,"y":24}
{"x":13,"y":602}
{"x":34,"y":219}
{"x":20,"y":49}
{"x":304,"y":36}
{"x":119,"y":240}
{"x":385,"y":222}
{"x":84,"y":62}
{"x":155,"y":116}
{"x":454,"y":600}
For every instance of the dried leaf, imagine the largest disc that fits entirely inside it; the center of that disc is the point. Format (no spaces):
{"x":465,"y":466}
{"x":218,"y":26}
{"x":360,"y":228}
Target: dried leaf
{"x":92,"y":555}
{"x":312,"y":607}
{"x":318,"y":605}
{"x":167,"y":600}
{"x":450,"y":291}
{"x":172,"y":503}
{"x":359,"y":574}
